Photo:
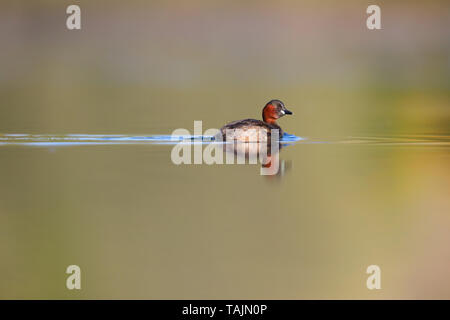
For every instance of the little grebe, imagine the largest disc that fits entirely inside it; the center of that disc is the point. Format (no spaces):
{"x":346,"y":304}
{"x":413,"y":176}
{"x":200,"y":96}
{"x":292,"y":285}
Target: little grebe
{"x":252,"y":130}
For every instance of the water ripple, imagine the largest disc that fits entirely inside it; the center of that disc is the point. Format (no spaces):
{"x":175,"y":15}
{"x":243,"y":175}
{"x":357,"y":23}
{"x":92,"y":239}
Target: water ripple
{"x":97,"y":139}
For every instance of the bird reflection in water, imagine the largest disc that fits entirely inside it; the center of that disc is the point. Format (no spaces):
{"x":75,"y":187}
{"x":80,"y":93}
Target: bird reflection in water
{"x":267,"y":153}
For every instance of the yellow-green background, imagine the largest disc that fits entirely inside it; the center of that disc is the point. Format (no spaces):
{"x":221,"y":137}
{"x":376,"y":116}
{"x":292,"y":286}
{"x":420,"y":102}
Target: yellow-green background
{"x":141,"y":227}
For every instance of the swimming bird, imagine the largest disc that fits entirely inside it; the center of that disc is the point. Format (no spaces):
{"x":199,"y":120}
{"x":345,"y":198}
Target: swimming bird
{"x":252,"y":130}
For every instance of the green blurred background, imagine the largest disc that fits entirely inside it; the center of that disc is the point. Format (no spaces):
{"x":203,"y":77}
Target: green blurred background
{"x":141,"y":227}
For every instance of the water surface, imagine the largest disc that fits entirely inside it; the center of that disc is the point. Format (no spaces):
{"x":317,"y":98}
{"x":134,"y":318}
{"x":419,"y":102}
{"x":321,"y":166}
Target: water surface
{"x":86,"y":175}
{"x":141,"y":227}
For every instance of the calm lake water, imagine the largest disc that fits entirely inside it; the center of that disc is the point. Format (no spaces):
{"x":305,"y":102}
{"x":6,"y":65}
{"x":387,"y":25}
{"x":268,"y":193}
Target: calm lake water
{"x":141,"y":227}
{"x":86,"y":176}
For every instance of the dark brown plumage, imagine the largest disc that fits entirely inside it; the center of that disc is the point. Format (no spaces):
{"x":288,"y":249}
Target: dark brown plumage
{"x":257,"y":130}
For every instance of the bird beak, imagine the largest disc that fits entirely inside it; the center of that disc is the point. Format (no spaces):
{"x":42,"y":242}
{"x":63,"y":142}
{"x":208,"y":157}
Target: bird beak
{"x":286,"y":111}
